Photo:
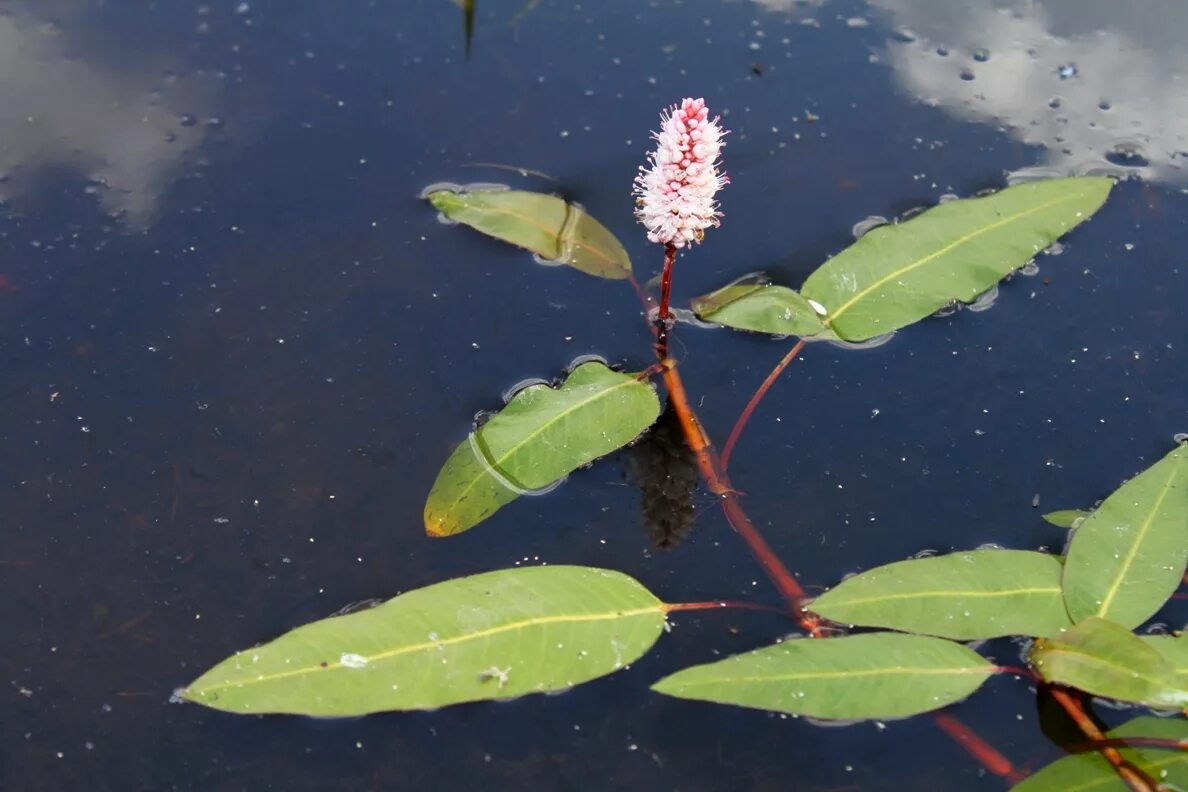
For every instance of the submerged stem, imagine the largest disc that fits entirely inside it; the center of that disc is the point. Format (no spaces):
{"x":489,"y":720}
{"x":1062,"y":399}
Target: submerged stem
{"x":1134,"y":777}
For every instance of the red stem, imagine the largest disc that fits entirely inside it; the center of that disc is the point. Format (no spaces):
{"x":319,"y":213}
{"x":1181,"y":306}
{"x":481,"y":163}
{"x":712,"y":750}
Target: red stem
{"x":662,"y":318}
{"x":1129,"y":742}
{"x":754,"y":402}
{"x":718,"y":605}
{"x":986,"y":754}
{"x":670,"y":254}
{"x":718,"y":482}
{"x":1134,"y":778}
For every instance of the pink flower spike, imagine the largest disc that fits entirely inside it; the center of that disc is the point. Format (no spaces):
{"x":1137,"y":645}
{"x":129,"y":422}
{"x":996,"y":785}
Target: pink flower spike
{"x":675,"y":194}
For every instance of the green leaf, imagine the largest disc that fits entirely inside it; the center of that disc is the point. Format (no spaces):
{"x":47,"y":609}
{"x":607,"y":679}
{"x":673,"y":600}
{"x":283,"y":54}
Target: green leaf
{"x":964,"y":596}
{"x":491,"y":636}
{"x":548,"y":226}
{"x":875,"y":675}
{"x":541,"y":436}
{"x":1129,"y":556}
{"x":1066,"y":518}
{"x":1174,"y":650}
{"x":1090,"y":772}
{"x":898,"y":274}
{"x":760,"y":307}
{"x":1101,"y":657}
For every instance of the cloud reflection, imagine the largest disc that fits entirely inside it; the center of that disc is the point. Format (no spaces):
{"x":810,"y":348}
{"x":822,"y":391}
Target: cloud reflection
{"x":126,"y":130}
{"x":1099,"y":85}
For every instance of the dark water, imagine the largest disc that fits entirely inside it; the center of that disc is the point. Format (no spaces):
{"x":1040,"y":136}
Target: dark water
{"x":236,"y":348}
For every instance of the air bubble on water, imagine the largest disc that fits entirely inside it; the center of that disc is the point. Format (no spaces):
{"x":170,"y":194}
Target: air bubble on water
{"x":927,"y":553}
{"x":1180,"y":437}
{"x":187,"y":119}
{"x":1067,"y":71}
{"x":1127,"y":154}
{"x":948,"y":309}
{"x":523,"y":384}
{"x":981,"y":54}
{"x":967,"y":75}
{"x":910,"y":213}
{"x":948,"y":198}
{"x":864,"y":227}
{"x":582,"y":360}
{"x":869,"y":343}
{"x":984,"y":300}
{"x":942,"y":51}
{"x":1055,"y":102}
{"x":1030,"y":269}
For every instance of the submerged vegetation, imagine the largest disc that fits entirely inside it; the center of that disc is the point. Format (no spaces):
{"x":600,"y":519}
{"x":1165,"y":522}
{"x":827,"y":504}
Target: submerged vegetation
{"x":891,"y":642}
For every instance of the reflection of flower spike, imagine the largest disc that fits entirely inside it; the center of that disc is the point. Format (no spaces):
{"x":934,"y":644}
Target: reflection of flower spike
{"x":675,"y":195}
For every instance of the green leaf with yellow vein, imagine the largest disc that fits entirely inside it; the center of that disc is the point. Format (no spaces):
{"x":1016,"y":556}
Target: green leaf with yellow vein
{"x":1101,"y":657}
{"x":760,"y":307}
{"x":1129,"y":556}
{"x":1173,"y":649}
{"x":964,"y":596}
{"x":1090,"y":772}
{"x":550,"y":227}
{"x":1066,"y":518}
{"x":496,"y":635}
{"x":541,"y":436}
{"x":858,"y":677}
{"x":898,"y":274}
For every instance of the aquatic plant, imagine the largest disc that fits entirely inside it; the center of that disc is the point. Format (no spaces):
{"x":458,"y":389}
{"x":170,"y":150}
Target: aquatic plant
{"x":890,"y":642}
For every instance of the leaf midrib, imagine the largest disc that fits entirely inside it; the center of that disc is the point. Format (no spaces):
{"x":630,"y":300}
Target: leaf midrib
{"x":498,"y":461}
{"x":441,"y":642}
{"x":833,"y":315}
{"x":946,"y":594}
{"x":1132,"y":553}
{"x":1099,"y":662}
{"x":889,"y":671}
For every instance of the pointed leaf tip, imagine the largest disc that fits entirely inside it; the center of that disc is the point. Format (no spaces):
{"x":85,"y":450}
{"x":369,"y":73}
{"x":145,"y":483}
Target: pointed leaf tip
{"x":496,"y":635}
{"x":898,"y":274}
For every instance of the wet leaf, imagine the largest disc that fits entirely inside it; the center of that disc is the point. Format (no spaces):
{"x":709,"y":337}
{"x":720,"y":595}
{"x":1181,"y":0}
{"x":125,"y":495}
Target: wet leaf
{"x":858,"y":677}
{"x":1066,"y":518}
{"x":541,"y":436}
{"x":759,"y":307}
{"x":898,"y":274}
{"x":1090,"y":772}
{"x":1101,"y":657}
{"x":964,"y":596}
{"x":1173,"y":649}
{"x":544,"y":224}
{"x":491,"y":636}
{"x":1129,"y":556}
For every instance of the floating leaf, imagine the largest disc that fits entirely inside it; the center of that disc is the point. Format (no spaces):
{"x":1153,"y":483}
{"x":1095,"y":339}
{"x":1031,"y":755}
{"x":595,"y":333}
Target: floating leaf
{"x":760,"y":307}
{"x":964,"y":596}
{"x":541,"y":436}
{"x":491,"y":636}
{"x":1066,"y":518}
{"x":1101,"y":657}
{"x":1173,"y":649}
{"x":1090,"y":772}
{"x":544,"y":224}
{"x":1129,"y":556}
{"x":875,"y":675}
{"x":898,"y":274}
